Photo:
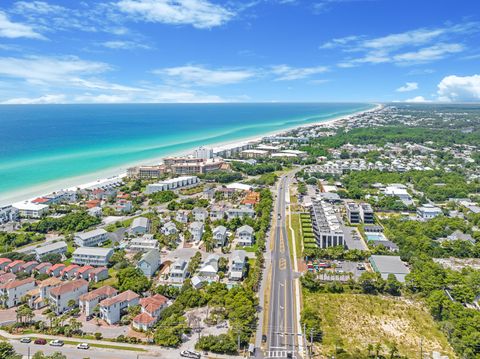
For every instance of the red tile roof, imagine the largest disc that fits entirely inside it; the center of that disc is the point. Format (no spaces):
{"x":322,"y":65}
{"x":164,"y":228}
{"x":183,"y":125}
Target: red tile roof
{"x":69,"y":268}
{"x":68,"y":287}
{"x":40,"y":200}
{"x":17,"y":283}
{"x":84,"y":269}
{"x":144,"y":318}
{"x":14,"y":263}
{"x":42,"y":265}
{"x":5,"y":260}
{"x":152,"y":304}
{"x":105,"y":291}
{"x":7,"y":277}
{"x":55,"y":267}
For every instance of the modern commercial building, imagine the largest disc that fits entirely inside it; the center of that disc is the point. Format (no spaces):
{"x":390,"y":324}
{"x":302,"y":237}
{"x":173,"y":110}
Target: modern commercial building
{"x":172,"y":184}
{"x":50,"y":248}
{"x":96,"y":257}
{"x":353,"y":212}
{"x":400,"y":191}
{"x":386,"y":265}
{"x":91,"y":238}
{"x":366,"y":213}
{"x":326,"y":225}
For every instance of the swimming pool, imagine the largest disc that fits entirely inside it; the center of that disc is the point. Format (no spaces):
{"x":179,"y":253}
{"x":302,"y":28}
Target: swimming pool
{"x":375,"y":236}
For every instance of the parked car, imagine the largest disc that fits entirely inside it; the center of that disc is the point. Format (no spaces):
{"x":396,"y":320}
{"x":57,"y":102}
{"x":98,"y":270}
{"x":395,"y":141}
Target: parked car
{"x":56,"y":343}
{"x":264,"y":338}
{"x":84,"y":346}
{"x":40,"y":341}
{"x":25,"y":340}
{"x":190,"y":354}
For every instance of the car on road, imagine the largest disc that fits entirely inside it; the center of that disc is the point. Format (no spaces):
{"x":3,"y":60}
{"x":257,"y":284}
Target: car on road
{"x":84,"y":346}
{"x":264,"y":338}
{"x":57,"y":343}
{"x":40,"y":341}
{"x":25,"y":340}
{"x":360,"y":266}
{"x":279,"y":216}
{"x":190,"y":354}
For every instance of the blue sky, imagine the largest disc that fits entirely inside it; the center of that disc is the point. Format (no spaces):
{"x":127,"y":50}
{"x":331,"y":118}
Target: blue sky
{"x":252,"y":51}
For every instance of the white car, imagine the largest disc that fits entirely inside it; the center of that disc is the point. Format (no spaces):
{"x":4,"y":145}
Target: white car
{"x":56,"y":343}
{"x":84,"y":346}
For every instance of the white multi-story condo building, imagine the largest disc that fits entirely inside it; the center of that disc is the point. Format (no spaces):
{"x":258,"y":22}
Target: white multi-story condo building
{"x":203,"y":153}
{"x":428,"y":211}
{"x":111,"y":308}
{"x":8,"y":214}
{"x":96,"y":257}
{"x":91,"y":238}
{"x":89,"y":301}
{"x":12,"y":293}
{"x":51,"y":248}
{"x":28,"y":209}
{"x":326,"y":225}
{"x":171,"y":184}
{"x":143,"y":244}
{"x":60,"y":296}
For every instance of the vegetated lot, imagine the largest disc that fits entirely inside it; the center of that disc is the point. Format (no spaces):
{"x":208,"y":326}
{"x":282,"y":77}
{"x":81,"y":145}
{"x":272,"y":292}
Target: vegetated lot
{"x":350,"y":322}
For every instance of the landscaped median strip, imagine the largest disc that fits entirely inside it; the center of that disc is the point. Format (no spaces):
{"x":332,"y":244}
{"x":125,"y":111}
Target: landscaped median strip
{"x":96,"y":345}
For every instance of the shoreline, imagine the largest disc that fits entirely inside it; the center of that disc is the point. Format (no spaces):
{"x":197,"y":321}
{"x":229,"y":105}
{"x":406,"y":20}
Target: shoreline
{"x":88,"y":180}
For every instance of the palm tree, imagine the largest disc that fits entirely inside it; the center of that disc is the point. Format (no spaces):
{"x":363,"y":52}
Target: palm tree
{"x":75,"y":325}
{"x":393,"y":351}
{"x":378,"y":349}
{"x":370,"y":349}
{"x":50,"y":316}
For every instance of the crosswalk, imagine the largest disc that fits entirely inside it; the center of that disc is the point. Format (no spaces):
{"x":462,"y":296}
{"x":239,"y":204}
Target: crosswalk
{"x":279,"y":354}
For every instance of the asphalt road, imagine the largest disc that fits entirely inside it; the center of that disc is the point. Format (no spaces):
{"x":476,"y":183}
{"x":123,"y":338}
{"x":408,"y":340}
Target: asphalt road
{"x":282,"y":336}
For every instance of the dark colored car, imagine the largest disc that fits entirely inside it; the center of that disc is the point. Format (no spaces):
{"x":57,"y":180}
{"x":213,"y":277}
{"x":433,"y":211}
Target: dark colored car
{"x":264,"y":338}
{"x":40,"y":341}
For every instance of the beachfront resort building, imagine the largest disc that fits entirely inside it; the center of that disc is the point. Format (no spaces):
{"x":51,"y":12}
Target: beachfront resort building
{"x":28,"y":209}
{"x":172,"y":184}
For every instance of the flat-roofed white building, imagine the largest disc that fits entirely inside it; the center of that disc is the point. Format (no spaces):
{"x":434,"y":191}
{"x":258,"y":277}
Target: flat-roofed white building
{"x":428,"y":211}
{"x":96,"y":257}
{"x":91,"y":238}
{"x":326,"y":225}
{"x":143,"y":244}
{"x":28,"y":209}
{"x":8,"y":214}
{"x":172,"y":184}
{"x":50,"y":248}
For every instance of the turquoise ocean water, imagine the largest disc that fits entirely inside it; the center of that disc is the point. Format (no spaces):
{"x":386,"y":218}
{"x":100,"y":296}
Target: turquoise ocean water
{"x":45,"y":144}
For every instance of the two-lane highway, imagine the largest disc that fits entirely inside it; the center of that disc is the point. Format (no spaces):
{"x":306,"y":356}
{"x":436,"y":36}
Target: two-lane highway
{"x":282,"y":336}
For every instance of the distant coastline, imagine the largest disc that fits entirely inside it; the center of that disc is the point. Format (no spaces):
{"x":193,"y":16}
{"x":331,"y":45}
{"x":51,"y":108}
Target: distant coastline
{"x":82,"y":181}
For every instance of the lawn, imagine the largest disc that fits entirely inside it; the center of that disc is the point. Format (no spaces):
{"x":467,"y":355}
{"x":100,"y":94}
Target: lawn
{"x":353,"y":321}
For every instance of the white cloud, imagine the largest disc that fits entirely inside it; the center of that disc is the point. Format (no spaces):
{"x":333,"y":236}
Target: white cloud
{"x":45,"y":99}
{"x":410,"y":47}
{"x":14,"y":30}
{"x":459,"y":88}
{"x":124,"y":45}
{"x":44,"y":70}
{"x":198,"y":75}
{"x":102,"y":98}
{"x":417,"y":99}
{"x":288,"y":73}
{"x":198,"y":13}
{"x":409,"y":86}
{"x":428,"y":54}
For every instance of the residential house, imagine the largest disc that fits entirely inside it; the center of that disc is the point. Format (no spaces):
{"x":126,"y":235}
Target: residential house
{"x":217,"y":212}
{"x":4,"y":262}
{"x":15,"y":266}
{"x":92,"y":238}
{"x":240,"y":212}
{"x":178,"y":271}
{"x":220,"y":235}
{"x":45,"y":286}
{"x":42,"y":268}
{"x":140,"y":225}
{"x":169,"y":229}
{"x":182,"y":216}
{"x":12,"y":292}
{"x":196,"y":230}
{"x":61,"y":297}
{"x":70,"y":271}
{"x":112,"y":308}
{"x":143,"y":244}
{"x":209,"y":269}
{"x":89,"y":301}
{"x":51,"y":248}
{"x":97,"y":257}
{"x":238,"y":264}
{"x":200,"y":214}
{"x":98,"y":274}
{"x":428,"y":211}
{"x":55,"y":270}
{"x":7,"y":277}
{"x":244,"y":236}
{"x":28,"y":267}
{"x":84,"y":272}
{"x":123,"y":206}
{"x":151,"y":309}
{"x":149,"y":263}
